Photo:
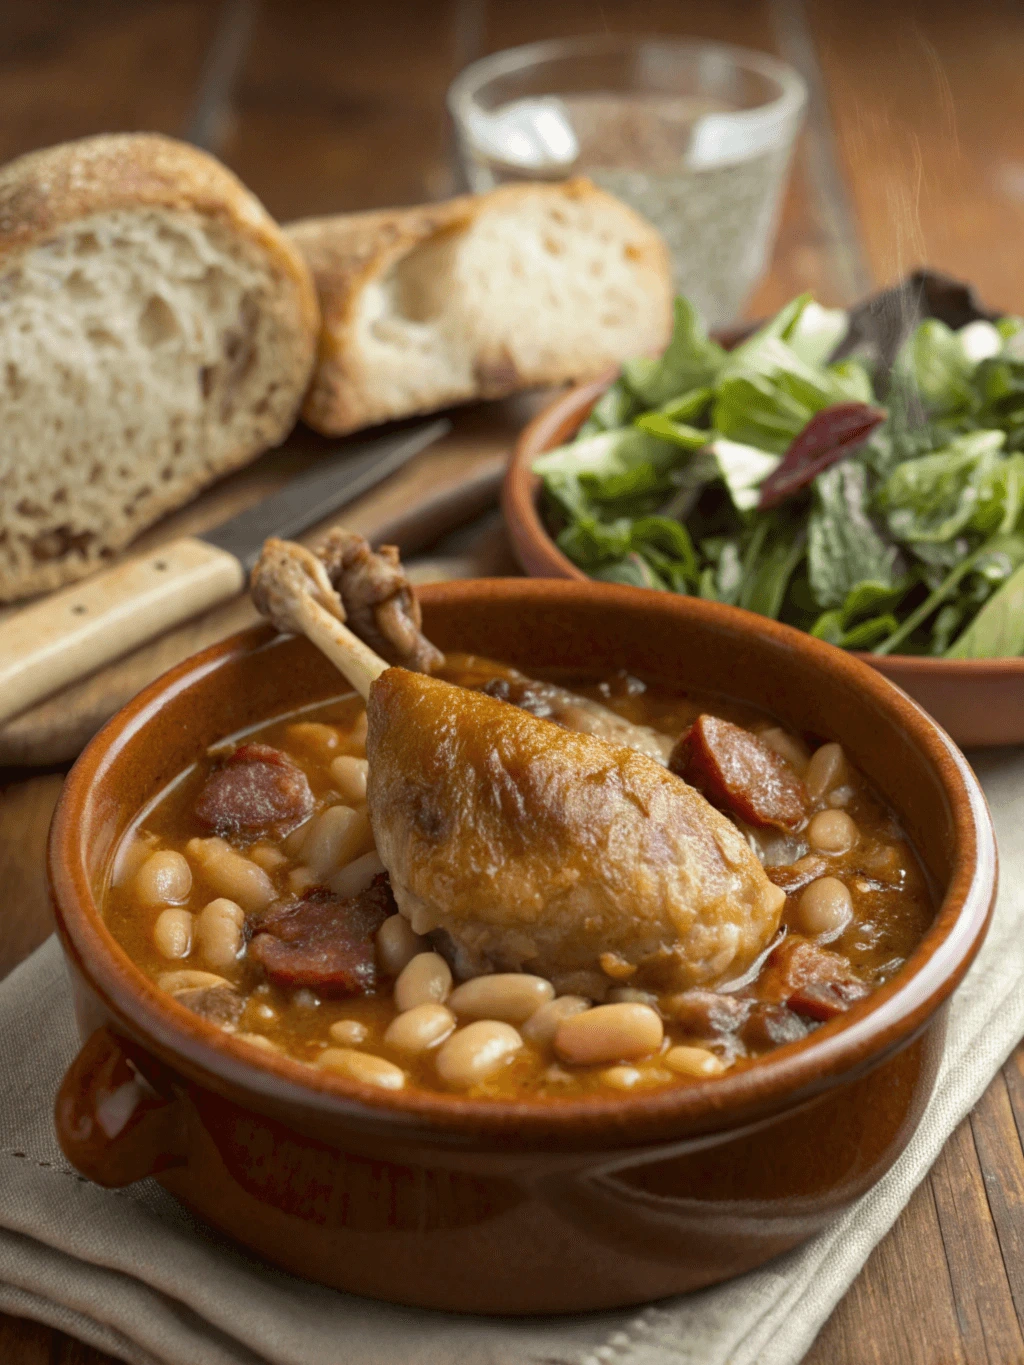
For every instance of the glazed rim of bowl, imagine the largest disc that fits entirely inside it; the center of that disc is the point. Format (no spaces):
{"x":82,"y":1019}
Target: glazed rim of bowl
{"x":520,"y":498}
{"x":790,"y":1075}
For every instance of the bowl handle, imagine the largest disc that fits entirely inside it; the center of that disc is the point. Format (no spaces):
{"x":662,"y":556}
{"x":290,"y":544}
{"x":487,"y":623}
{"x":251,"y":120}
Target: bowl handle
{"x":111,"y":1124}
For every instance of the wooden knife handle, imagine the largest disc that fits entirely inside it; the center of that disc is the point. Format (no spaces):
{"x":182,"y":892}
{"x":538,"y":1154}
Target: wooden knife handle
{"x":74,"y":632}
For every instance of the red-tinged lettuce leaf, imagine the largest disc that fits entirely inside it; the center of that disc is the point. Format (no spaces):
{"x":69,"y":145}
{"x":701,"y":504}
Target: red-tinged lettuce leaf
{"x":830,"y":435}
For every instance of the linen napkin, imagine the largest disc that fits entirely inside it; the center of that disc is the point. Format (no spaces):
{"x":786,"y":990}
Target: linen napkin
{"x":130,"y":1272}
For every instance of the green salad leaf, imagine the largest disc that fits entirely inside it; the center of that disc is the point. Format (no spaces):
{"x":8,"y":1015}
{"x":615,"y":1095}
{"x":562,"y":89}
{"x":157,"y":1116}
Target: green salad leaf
{"x":998,"y":629}
{"x":912,"y":542}
{"x":935,"y":497}
{"x":690,"y":361}
{"x":844,"y":547}
{"x":743,"y":469}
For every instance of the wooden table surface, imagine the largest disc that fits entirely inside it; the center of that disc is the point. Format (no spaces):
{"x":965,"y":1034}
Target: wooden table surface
{"x":912,"y":154}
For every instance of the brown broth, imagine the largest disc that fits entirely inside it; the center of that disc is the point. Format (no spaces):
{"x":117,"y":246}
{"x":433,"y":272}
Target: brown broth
{"x":892,"y":905}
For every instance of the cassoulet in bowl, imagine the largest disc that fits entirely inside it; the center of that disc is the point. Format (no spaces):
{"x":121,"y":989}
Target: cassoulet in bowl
{"x":504,"y":1152}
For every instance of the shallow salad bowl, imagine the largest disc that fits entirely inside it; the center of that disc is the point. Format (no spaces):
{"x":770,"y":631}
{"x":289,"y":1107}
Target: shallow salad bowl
{"x":979,"y":702}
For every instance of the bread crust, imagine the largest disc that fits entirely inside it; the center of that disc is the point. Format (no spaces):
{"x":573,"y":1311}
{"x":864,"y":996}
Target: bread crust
{"x":43,"y":192}
{"x":347,"y":252}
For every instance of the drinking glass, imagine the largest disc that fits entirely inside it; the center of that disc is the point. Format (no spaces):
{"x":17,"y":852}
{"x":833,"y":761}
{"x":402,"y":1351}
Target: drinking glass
{"x":696,"y":136}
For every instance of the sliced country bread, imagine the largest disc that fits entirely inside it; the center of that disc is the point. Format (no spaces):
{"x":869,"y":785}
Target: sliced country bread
{"x":478,"y":297}
{"x":157,"y":330}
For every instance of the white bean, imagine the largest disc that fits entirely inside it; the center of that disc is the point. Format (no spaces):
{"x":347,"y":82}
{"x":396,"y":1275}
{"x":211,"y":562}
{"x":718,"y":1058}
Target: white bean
{"x":630,"y":995}
{"x":188,"y":980}
{"x":165,"y":878}
{"x":257,"y":1040}
{"x":627,"y":1077}
{"x":336,"y":836}
{"x":622,"y":1077}
{"x":172,"y":932}
{"x":609,"y":1033}
{"x":832,"y":831}
{"x":825,"y":907}
{"x":348,"y":1032}
{"x":131,"y":854}
{"x":825,"y":770}
{"x":301,"y":879}
{"x":787,"y":746}
{"x":349,"y":776}
{"x":693,"y":1061}
{"x":426,"y":979}
{"x":509,"y":996}
{"x":268,"y":857}
{"x":397,"y":944}
{"x":363,"y":1067}
{"x":419,"y":1029}
{"x":541,"y":1026}
{"x":232,"y":875}
{"x":219,"y":932}
{"x":314,"y":736}
{"x":476,"y":1052}
{"x":357,"y":876}
{"x":355,"y":741}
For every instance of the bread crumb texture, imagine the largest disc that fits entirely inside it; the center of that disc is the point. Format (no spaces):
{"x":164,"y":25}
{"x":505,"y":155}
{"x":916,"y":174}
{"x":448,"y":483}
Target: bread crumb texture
{"x":158,"y":331}
{"x":478,"y":298}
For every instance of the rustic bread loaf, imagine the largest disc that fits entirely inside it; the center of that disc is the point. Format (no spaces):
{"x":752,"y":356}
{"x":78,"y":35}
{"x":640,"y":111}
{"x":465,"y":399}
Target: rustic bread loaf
{"x":478,"y":297}
{"x":158,"y":330}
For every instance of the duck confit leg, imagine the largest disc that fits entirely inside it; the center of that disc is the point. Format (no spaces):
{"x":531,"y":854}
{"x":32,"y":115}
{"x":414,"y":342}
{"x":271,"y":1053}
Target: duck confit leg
{"x":529,"y":845}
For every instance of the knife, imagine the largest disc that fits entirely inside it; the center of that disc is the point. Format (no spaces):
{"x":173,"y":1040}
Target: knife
{"x":75,"y":631}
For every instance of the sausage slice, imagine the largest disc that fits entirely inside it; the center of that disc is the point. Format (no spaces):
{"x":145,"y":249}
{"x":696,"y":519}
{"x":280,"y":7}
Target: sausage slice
{"x":813,"y":982}
{"x":740,"y":774}
{"x":324,"y":942}
{"x":259,"y":790}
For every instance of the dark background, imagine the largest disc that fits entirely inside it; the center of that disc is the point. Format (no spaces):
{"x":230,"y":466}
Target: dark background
{"x":914,"y":149}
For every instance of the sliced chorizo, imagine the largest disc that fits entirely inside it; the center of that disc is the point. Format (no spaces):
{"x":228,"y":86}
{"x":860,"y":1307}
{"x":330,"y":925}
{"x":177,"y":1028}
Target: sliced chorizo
{"x":740,"y":774}
{"x":708,"y":1014}
{"x":813,"y":982}
{"x":257,"y":791}
{"x":324,"y":942}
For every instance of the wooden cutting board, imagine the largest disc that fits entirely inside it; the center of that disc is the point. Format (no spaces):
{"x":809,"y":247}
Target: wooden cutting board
{"x":444,"y":487}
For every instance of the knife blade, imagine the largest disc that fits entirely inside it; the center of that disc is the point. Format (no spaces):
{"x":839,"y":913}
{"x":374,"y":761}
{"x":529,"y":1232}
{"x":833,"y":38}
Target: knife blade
{"x":75,"y":631}
{"x":312,"y":496}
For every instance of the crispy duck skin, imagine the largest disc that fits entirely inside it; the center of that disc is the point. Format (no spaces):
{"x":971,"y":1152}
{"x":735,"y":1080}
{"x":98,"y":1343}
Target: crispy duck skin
{"x":548,"y":701}
{"x":532,"y":846}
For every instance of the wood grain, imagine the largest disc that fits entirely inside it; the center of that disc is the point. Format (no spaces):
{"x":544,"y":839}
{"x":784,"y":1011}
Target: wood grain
{"x":448,"y":483}
{"x":928,"y":104}
{"x":336,"y":107}
{"x":98,"y":66}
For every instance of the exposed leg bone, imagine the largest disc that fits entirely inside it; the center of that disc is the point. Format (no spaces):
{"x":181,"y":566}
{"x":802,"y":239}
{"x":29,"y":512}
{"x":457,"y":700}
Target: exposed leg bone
{"x":290,"y":586}
{"x":369,"y":590}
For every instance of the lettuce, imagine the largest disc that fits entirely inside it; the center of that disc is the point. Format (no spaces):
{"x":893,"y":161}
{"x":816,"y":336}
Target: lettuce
{"x":691,"y":360}
{"x":767,"y":395}
{"x":626,"y":467}
{"x":743,"y":469}
{"x":911,"y":540}
{"x":997,"y":632}
{"x":937,"y":496}
{"x":844,"y":546}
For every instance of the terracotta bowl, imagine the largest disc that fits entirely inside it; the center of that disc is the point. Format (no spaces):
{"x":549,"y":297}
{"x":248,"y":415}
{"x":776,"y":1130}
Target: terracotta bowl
{"x":495,"y":1206}
{"x":979,"y":701}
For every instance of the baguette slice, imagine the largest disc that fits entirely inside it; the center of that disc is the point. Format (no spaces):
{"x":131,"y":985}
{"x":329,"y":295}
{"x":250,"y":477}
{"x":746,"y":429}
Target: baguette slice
{"x":478,"y":297}
{"x":158,"y":329}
